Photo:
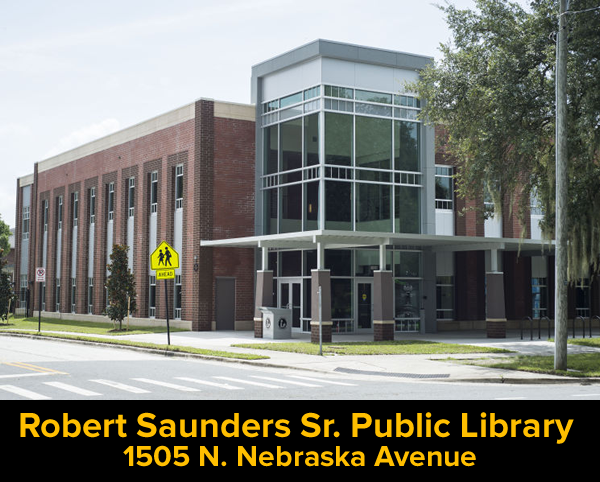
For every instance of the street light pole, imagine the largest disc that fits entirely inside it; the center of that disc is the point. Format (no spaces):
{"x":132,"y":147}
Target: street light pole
{"x":560,"y":312}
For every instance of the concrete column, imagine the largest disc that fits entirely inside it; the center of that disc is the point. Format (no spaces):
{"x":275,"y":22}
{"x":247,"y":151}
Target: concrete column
{"x":383,"y":306}
{"x":264,"y":297}
{"x":496,"y":311}
{"x":322,"y":278}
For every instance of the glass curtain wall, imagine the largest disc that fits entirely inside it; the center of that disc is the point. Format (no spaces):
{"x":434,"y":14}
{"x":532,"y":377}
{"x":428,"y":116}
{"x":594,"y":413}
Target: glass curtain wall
{"x":370,"y":162}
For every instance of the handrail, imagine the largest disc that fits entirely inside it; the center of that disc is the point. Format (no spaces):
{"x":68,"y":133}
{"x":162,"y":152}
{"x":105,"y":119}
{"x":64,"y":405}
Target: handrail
{"x":549,"y":325}
{"x":530,"y":326}
{"x":593,"y":318}
{"x":582,"y":323}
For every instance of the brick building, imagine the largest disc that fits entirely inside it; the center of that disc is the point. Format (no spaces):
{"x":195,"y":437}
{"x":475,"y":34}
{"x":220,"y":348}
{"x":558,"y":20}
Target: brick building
{"x":328,"y":179}
{"x":179,"y":177}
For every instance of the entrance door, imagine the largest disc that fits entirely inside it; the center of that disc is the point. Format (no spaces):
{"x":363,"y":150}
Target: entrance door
{"x":291,"y":297}
{"x":364,"y":305}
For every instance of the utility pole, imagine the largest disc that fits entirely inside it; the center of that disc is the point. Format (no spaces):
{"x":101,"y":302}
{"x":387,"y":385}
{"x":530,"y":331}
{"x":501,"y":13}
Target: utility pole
{"x":560,"y":306}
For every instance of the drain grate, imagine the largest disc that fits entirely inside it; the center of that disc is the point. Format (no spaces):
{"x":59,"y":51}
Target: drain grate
{"x":392,"y":374}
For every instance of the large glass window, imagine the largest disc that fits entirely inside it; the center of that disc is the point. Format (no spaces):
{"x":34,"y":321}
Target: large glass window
{"x":445,"y":297}
{"x":406,"y":146}
{"x":338,"y":139}
{"x":339,"y":262}
{"x":311,"y":206}
{"x":341,"y":298}
{"x":270,"y":148}
{"x":407,"y":209}
{"x":311,"y":140}
{"x":373,"y":142}
{"x":373,"y":207}
{"x":444,"y":190}
{"x":291,"y":148}
{"x":291,"y":208}
{"x":338,"y":205}
{"x":270,"y":210}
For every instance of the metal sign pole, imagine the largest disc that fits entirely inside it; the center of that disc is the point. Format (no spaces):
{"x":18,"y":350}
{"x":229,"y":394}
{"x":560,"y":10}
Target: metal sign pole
{"x":40,"y":309}
{"x":167,"y":305}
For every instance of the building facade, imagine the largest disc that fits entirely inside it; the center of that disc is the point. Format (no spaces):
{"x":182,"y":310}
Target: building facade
{"x":328,"y":195}
{"x":178,"y":178}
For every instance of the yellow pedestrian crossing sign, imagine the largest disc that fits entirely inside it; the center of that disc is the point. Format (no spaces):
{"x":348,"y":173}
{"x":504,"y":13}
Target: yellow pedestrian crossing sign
{"x":164,"y":257}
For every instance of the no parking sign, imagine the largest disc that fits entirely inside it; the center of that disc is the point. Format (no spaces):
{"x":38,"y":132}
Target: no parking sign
{"x":40,"y":275}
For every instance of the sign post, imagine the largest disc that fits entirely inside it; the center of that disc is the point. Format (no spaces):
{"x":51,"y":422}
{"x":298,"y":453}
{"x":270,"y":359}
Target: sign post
{"x":165,"y":260}
{"x":40,"y":277}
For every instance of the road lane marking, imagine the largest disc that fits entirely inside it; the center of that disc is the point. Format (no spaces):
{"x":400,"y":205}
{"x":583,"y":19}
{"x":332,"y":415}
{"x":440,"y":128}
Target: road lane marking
{"x":166,"y":384}
{"x":248,"y":382}
{"x":35,"y":368}
{"x":302,"y":384}
{"x":73,"y":389}
{"x":24,"y":393}
{"x":121,"y":386}
{"x":226,"y":386}
{"x":322,"y":380}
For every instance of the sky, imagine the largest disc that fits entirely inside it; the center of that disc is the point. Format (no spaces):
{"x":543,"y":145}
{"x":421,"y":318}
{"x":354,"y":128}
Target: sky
{"x":72,"y":71}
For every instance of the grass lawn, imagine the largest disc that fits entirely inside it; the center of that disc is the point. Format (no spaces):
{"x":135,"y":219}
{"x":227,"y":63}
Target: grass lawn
{"x":397,"y":347}
{"x":86,"y":331}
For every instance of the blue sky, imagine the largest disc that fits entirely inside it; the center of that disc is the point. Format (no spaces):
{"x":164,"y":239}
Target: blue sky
{"x":74,"y":71}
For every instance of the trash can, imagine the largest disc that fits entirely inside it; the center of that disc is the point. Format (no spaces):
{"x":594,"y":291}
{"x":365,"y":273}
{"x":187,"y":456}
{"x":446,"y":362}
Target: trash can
{"x":277,"y":323}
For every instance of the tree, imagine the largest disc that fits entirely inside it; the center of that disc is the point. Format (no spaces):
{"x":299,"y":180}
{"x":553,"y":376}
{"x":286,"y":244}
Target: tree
{"x":120,"y":285}
{"x":7,"y":294}
{"x":494,"y":93}
{"x":4,"y":236}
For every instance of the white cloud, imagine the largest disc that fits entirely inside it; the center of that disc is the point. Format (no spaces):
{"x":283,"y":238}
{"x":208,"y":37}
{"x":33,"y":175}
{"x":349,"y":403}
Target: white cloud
{"x":84,"y":135}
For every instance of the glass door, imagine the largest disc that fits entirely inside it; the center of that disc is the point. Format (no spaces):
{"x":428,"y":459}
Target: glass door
{"x":290,"y":296}
{"x":364,"y":305}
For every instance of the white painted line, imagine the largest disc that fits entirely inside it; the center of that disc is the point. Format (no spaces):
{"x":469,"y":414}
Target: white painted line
{"x":181,"y":388}
{"x":19,"y":375}
{"x":322,"y":380}
{"x":510,"y":398}
{"x":23,"y":392}
{"x":72,"y":389}
{"x":248,"y":382}
{"x":121,"y":386}
{"x":226,"y":386}
{"x":288,"y":381}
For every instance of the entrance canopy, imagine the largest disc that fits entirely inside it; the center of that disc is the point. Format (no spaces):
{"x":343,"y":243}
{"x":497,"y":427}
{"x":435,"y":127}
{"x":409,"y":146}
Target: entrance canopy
{"x":346,"y":239}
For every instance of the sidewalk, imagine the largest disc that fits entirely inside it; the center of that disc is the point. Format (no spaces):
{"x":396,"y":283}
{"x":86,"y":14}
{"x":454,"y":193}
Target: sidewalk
{"x":407,"y":367}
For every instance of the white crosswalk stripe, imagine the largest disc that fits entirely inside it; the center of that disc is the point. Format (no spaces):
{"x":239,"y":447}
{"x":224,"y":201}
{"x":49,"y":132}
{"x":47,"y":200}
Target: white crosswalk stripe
{"x":279,"y":380}
{"x":248,"y":382}
{"x":322,"y":380}
{"x":72,"y":389}
{"x":24,"y":393}
{"x":225,"y":386}
{"x":121,"y":386}
{"x":174,"y":386}
{"x":219,"y":382}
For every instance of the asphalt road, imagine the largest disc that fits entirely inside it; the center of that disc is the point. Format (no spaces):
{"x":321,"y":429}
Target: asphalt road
{"x":33,"y":369}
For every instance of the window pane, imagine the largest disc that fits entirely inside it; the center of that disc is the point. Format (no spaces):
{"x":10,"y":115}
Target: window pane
{"x":311,"y":201}
{"x":443,"y":188}
{"x":407,"y":200}
{"x":270,"y":147}
{"x":290,"y":99}
{"x":291,"y":263}
{"x":338,"y":205}
{"x":407,"y":264}
{"x":339,"y":262}
{"x":373,"y":142}
{"x":338,"y":139}
{"x":291,"y":208}
{"x":311,"y":140}
{"x":367,"y":260}
{"x":373,"y":96}
{"x":341,"y":298}
{"x":407,"y":294}
{"x":406,"y":146}
{"x":270,"y":210}
{"x":373,"y":207}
